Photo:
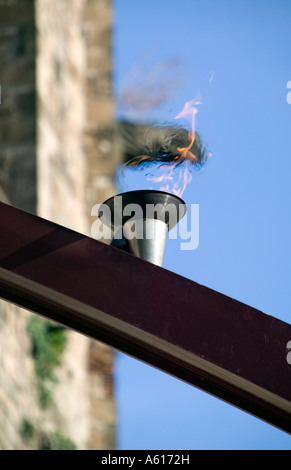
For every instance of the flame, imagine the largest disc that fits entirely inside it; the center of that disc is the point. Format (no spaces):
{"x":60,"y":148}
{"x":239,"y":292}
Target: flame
{"x":181,"y":177}
{"x":185,"y":156}
{"x":176,"y":174}
{"x":189,"y":112}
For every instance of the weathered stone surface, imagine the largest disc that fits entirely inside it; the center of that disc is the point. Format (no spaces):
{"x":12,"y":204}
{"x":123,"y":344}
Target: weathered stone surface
{"x":58,"y":157}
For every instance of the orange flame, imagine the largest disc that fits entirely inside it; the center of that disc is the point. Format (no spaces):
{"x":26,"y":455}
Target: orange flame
{"x":182,"y":176}
{"x":189,"y":112}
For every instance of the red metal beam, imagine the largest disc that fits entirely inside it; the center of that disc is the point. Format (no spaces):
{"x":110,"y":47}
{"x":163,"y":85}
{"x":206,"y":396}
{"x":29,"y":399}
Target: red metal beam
{"x":222,"y":346}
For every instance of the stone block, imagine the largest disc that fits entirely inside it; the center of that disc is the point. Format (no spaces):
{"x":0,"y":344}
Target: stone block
{"x":16,"y":12}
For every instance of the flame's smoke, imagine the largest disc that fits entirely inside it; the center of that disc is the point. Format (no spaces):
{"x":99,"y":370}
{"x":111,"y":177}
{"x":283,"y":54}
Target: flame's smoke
{"x":169,"y":155}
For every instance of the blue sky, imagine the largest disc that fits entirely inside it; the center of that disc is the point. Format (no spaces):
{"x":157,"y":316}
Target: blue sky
{"x":243,"y":192}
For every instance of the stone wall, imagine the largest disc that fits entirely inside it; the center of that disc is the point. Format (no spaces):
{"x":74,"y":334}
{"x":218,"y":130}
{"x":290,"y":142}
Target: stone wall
{"x":18,"y":187}
{"x":57,"y":158}
{"x":18,"y":105}
{"x":77,"y":156}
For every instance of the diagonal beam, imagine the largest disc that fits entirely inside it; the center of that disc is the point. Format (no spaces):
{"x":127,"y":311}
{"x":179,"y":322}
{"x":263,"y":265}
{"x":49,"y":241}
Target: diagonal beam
{"x":220,"y":345}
